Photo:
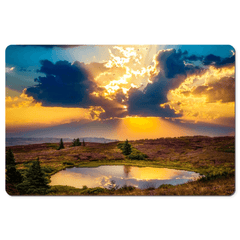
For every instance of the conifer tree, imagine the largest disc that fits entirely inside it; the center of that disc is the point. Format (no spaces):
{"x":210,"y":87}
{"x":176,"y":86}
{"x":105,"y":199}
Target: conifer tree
{"x":35,"y":181}
{"x":10,"y":160}
{"x":83,"y":143}
{"x":78,"y":143}
{"x":61,"y":144}
{"x":13,"y":176}
{"x":127,"y":149}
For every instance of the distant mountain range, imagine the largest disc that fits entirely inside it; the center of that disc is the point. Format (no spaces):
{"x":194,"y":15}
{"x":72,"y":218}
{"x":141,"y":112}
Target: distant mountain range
{"x":25,"y":141}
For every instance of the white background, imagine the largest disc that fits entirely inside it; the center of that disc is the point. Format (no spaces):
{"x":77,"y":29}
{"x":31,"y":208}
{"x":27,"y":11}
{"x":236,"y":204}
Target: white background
{"x":123,"y":22}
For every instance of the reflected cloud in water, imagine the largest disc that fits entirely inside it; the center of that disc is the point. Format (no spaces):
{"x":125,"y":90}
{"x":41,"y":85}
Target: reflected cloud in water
{"x":140,"y":177}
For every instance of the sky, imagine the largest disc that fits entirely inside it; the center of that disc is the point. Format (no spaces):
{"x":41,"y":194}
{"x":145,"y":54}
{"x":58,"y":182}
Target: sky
{"x":120,"y":92}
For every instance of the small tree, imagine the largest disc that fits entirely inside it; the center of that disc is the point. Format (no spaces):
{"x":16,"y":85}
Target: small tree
{"x":13,"y":176}
{"x":60,"y":145}
{"x":127,"y":149}
{"x":83,"y":143}
{"x":10,"y":160}
{"x":76,"y":142}
{"x":35,"y":181}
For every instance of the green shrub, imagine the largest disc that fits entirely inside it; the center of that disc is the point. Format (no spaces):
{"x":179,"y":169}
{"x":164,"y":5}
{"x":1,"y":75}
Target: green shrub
{"x":47,"y":169}
{"x":68,"y":163}
{"x":166,"y":186}
{"x":127,"y":188}
{"x":93,"y":191}
{"x":137,"y":155}
{"x":217,"y":174}
{"x":52,"y":145}
{"x":131,"y":152}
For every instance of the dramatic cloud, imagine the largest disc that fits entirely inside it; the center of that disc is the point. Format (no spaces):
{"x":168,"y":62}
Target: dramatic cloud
{"x":145,"y":104}
{"x":169,"y":72}
{"x":206,"y":96}
{"x":65,"y":84}
{"x":147,"y":91}
{"x":193,"y":58}
{"x":222,"y":90}
{"x":218,"y":61}
{"x":72,"y":85}
{"x":114,"y":89}
{"x":95,"y":68}
{"x":171,"y":63}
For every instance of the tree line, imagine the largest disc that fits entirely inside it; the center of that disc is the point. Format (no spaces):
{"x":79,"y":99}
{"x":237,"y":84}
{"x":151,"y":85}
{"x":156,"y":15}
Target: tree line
{"x":76,"y":142}
{"x":32,"y":182}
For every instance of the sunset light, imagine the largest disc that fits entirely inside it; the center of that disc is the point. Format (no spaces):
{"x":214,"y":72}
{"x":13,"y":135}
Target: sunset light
{"x":152,"y":91}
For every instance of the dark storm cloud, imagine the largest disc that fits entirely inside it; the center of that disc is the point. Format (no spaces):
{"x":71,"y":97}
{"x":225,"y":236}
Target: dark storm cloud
{"x":193,"y":58}
{"x":65,"y":84}
{"x":147,"y":103}
{"x":172,"y":72}
{"x":218,"y":61}
{"x":71,"y":85}
{"x":223,"y":90}
{"x":172,"y":63}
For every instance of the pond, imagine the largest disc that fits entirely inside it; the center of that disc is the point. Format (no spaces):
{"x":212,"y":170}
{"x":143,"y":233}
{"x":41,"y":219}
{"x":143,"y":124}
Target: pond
{"x":139,"y":177}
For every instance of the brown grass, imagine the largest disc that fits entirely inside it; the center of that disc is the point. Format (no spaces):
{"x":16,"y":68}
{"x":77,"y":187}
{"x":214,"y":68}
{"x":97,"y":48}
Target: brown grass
{"x":191,"y":152}
{"x":49,"y":156}
{"x":201,"y":154}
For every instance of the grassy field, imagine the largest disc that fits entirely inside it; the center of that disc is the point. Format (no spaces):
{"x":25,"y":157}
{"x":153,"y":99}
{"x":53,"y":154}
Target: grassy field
{"x":212,"y":157}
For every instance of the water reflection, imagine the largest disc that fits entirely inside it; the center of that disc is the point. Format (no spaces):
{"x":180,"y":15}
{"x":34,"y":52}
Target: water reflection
{"x":126,"y":170}
{"x":140,"y":177}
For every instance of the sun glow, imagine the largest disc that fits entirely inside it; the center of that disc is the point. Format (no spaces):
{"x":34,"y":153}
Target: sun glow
{"x":23,"y":112}
{"x":149,"y":127}
{"x":134,"y":79}
{"x":126,"y":69}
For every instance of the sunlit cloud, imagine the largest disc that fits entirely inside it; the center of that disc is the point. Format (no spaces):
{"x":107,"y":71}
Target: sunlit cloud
{"x":126,"y":69}
{"x":8,"y":69}
{"x":210,"y":95}
{"x":132,"y":81}
{"x":24,"y":111}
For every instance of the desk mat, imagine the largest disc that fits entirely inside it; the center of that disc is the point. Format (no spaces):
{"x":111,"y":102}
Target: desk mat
{"x":128,"y":120}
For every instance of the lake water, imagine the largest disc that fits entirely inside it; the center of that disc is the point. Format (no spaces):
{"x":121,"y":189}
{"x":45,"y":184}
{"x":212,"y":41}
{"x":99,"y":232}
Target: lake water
{"x":139,"y":177}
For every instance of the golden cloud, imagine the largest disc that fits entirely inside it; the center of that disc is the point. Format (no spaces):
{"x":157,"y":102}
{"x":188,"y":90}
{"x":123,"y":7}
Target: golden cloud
{"x":24,"y":111}
{"x":209,"y":95}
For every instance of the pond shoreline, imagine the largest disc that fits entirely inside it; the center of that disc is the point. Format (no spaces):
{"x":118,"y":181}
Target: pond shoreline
{"x":212,"y":157}
{"x":139,"y":177}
